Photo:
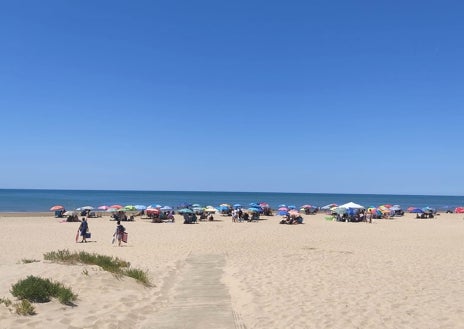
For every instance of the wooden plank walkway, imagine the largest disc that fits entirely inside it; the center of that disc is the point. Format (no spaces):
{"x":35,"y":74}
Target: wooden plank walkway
{"x":198,"y":298}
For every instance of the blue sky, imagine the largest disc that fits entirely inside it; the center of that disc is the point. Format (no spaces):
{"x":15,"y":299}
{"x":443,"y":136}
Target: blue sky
{"x":278,"y":96}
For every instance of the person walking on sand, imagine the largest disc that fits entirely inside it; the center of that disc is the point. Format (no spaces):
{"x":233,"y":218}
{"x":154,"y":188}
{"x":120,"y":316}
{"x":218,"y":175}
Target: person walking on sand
{"x":119,"y":232}
{"x":83,"y":228}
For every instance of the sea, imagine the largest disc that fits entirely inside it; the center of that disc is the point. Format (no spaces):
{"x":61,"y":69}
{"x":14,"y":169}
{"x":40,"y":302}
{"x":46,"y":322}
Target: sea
{"x":41,"y":200}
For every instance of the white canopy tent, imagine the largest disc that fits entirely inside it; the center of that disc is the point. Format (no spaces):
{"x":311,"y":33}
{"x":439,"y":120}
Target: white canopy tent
{"x":351,"y":205}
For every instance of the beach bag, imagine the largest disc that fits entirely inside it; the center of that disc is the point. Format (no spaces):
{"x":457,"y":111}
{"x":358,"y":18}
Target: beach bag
{"x":88,"y":235}
{"x":124,"y":237}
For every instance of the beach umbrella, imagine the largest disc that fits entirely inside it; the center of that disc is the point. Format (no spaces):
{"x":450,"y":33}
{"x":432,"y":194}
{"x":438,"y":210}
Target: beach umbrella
{"x":416,"y":211}
{"x":103,"y":207}
{"x":264,"y":205}
{"x":293,"y":212}
{"x":282,"y":213}
{"x":283,"y":209}
{"x":152,"y":206}
{"x":459,"y":210}
{"x":282,"y":206}
{"x":140,"y":207}
{"x":210,"y":209}
{"x":306,"y":206}
{"x":57,"y":207}
{"x":428,"y":210}
{"x":196,"y":205}
{"x":185,"y":211}
{"x":329,"y":206}
{"x":254,"y":210}
{"x":116,"y":206}
{"x":85,"y":208}
{"x":292,"y":207}
{"x":237,"y":205}
{"x":152,"y":211}
{"x":166,"y":208}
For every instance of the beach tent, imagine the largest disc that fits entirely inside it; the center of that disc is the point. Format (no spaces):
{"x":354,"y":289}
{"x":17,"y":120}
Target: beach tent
{"x":351,"y":205}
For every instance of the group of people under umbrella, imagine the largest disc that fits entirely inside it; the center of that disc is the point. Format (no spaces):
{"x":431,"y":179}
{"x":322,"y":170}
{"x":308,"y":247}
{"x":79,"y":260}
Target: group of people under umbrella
{"x":291,"y":214}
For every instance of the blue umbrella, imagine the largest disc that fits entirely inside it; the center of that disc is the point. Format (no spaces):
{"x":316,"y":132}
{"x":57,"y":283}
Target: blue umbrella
{"x":154,"y":206}
{"x":140,"y":207}
{"x":185,"y":211}
{"x":417,"y":211}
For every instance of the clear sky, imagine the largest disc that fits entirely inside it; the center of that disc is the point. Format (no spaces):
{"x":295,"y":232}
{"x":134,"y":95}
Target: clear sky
{"x":279,"y":96}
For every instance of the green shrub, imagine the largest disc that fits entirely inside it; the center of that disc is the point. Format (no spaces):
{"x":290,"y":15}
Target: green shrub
{"x":110,"y":264}
{"x":139,"y":275}
{"x":66,"y":296}
{"x":5,"y":301}
{"x":38,"y":290}
{"x":33,"y":289}
{"x":24,"y":307}
{"x":61,"y":256}
{"x":28,"y":261}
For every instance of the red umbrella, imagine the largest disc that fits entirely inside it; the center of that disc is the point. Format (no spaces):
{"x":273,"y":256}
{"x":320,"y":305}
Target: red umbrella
{"x":116,"y":206}
{"x":459,"y":210}
{"x":57,"y":207}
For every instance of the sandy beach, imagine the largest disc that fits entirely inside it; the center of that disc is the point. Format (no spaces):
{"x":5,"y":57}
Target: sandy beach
{"x":398,"y":273}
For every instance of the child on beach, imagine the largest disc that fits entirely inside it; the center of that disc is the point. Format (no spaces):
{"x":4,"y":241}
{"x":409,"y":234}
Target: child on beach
{"x":119,"y":232}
